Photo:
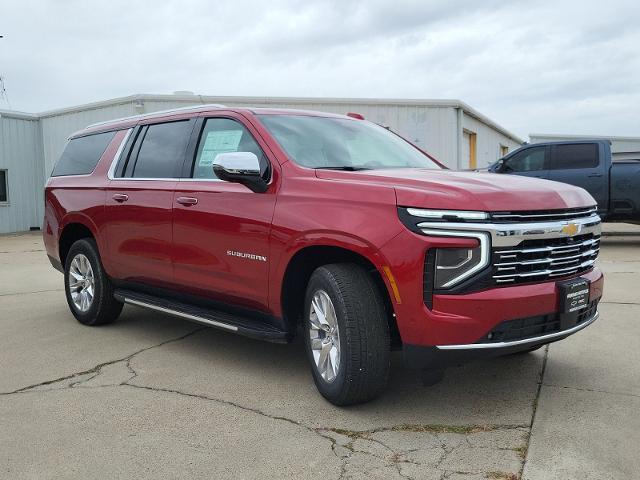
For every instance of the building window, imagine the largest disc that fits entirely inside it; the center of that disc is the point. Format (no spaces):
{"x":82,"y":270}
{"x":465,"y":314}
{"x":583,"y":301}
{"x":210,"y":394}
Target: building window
{"x":4,"y":186}
{"x":503,"y":150}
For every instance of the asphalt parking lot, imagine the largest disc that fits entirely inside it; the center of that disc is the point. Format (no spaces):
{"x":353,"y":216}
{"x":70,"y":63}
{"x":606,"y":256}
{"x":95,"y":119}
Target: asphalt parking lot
{"x":152,"y":396}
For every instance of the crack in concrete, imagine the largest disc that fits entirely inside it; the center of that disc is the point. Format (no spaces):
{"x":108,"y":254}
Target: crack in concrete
{"x":31,"y":293}
{"x":593,"y":390}
{"x":393,"y":462}
{"x":9,"y":252}
{"x":622,"y":303}
{"x":96,"y":369}
{"x":535,"y":409}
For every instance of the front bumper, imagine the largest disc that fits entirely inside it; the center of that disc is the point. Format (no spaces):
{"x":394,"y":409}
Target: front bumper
{"x":461,"y":319}
{"x":440,"y":356}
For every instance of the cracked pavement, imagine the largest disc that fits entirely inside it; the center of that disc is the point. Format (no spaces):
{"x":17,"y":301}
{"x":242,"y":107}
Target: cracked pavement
{"x":152,"y":396}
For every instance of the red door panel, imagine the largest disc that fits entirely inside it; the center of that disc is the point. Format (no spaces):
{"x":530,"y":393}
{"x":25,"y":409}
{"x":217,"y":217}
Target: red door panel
{"x":221,"y":246}
{"x":138,"y":230}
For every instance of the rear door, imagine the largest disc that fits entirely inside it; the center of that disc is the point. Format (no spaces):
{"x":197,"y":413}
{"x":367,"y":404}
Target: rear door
{"x":221,"y":229}
{"x":580,"y":164}
{"x":139,"y":203}
{"x":529,"y":162}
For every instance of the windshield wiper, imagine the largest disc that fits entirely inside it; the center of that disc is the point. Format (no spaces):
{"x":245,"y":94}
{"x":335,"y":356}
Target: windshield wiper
{"x":347,"y":168}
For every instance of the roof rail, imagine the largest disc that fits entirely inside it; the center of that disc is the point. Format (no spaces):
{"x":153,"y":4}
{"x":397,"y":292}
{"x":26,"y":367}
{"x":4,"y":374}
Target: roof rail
{"x":158,"y":112}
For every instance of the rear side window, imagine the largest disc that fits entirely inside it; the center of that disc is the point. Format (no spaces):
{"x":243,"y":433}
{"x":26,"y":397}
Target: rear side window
{"x":580,"y":155}
{"x":81,"y":154}
{"x":162,"y":150}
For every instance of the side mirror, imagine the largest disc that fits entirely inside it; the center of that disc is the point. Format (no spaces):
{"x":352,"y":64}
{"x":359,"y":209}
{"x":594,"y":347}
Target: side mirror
{"x":240,"y":167}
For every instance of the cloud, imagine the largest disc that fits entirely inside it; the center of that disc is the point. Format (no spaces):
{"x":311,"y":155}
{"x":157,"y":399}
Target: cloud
{"x":569,"y":67}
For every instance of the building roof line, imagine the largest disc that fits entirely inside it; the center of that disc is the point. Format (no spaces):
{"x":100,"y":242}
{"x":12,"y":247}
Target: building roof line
{"x":17,"y":114}
{"x":210,"y":99}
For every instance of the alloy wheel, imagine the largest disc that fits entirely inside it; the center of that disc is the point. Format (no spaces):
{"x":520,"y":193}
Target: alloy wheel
{"x":324,"y":335}
{"x":81,"y":282}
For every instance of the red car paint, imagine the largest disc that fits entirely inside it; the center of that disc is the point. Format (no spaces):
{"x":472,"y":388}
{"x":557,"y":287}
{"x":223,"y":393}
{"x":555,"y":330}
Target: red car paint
{"x":153,"y":239}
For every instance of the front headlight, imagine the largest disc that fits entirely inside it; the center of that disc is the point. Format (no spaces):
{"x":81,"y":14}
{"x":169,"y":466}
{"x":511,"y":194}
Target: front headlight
{"x":452,"y":266}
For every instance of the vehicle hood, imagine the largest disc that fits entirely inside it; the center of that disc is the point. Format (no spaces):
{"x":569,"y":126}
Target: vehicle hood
{"x":448,"y":189}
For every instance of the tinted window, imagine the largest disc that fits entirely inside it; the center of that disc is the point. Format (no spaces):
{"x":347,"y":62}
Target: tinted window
{"x":334,"y":142}
{"x":222,"y":135}
{"x":4,"y":188}
{"x":162,"y":150}
{"x":529,"y":160}
{"x":581,"y":155}
{"x":81,"y":155}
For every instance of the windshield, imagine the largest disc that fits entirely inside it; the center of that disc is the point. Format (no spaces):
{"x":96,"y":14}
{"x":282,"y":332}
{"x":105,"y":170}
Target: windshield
{"x":342,"y":143}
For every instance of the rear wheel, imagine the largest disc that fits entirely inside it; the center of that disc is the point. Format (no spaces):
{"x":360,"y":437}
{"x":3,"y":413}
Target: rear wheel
{"x":347,"y":334}
{"x":89,"y":291}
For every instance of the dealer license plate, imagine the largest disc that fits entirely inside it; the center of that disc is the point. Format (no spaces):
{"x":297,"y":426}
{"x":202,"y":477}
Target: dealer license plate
{"x":574,"y":295}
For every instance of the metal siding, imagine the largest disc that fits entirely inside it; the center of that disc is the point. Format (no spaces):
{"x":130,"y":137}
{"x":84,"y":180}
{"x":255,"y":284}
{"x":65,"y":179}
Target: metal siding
{"x":20,"y":154}
{"x":489,"y":141}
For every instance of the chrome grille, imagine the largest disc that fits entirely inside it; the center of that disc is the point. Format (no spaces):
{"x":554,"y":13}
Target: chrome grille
{"x":537,"y":216}
{"x":539,"y":260}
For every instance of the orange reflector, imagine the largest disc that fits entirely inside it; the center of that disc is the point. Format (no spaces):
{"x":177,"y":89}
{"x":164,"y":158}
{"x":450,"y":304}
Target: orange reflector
{"x":392,"y":282}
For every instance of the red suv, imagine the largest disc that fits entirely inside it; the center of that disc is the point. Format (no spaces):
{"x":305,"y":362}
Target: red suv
{"x":272,"y":223}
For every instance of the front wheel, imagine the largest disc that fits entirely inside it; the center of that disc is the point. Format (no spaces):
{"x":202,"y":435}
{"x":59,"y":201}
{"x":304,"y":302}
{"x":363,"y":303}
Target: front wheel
{"x":347,"y":334}
{"x":88,"y":288}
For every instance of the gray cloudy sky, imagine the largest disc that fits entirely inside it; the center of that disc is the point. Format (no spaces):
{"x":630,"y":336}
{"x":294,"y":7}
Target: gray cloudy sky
{"x":536,"y":66}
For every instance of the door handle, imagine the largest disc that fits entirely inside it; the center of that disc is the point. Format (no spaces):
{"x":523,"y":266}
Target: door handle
{"x":187,"y":201}
{"x":594,"y":175}
{"x":120,"y":197}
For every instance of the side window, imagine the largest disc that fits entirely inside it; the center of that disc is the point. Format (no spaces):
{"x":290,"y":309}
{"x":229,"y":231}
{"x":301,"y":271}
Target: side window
{"x":529,"y":160}
{"x":81,"y":155}
{"x":162,"y":150}
{"x":579,"y":155}
{"x":4,"y":186}
{"x":223,"y":135}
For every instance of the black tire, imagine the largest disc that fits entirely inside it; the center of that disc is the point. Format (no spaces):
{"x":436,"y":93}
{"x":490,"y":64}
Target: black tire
{"x":104,"y":308}
{"x":364,"y":355}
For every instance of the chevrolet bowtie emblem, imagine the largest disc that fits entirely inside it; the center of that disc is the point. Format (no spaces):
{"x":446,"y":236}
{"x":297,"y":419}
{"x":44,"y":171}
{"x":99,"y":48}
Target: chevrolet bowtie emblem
{"x":571,"y":229}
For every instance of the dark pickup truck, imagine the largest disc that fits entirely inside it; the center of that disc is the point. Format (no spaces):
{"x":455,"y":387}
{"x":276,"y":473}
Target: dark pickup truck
{"x":588,"y":164}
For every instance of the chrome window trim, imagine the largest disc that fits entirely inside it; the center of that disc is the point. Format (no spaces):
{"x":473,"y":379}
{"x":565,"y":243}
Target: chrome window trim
{"x":512,"y":234}
{"x":116,"y":157}
{"x":526,"y":341}
{"x":485,"y":248}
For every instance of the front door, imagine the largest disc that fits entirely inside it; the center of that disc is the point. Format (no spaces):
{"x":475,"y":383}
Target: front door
{"x":529,"y":162}
{"x":221,"y":229}
{"x":139,"y":204}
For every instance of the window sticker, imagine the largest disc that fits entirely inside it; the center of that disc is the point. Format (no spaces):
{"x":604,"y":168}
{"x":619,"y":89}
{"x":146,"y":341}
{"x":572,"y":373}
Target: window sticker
{"x":221,"y":141}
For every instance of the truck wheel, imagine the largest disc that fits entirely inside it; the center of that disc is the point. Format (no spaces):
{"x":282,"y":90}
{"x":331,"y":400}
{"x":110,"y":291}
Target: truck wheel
{"x":346,"y":334}
{"x":89,"y":290}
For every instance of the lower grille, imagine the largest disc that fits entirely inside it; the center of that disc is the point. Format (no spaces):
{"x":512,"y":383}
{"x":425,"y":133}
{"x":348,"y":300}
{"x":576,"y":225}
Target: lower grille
{"x":530,"y":327}
{"x":549,"y":259}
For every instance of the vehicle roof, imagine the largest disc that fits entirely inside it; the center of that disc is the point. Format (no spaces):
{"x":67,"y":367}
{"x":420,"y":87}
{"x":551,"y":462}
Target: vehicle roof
{"x":184,"y":112}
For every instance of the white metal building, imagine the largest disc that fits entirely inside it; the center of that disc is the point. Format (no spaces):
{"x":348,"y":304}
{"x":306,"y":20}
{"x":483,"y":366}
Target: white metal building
{"x":622,"y":148}
{"x":456,"y":134}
